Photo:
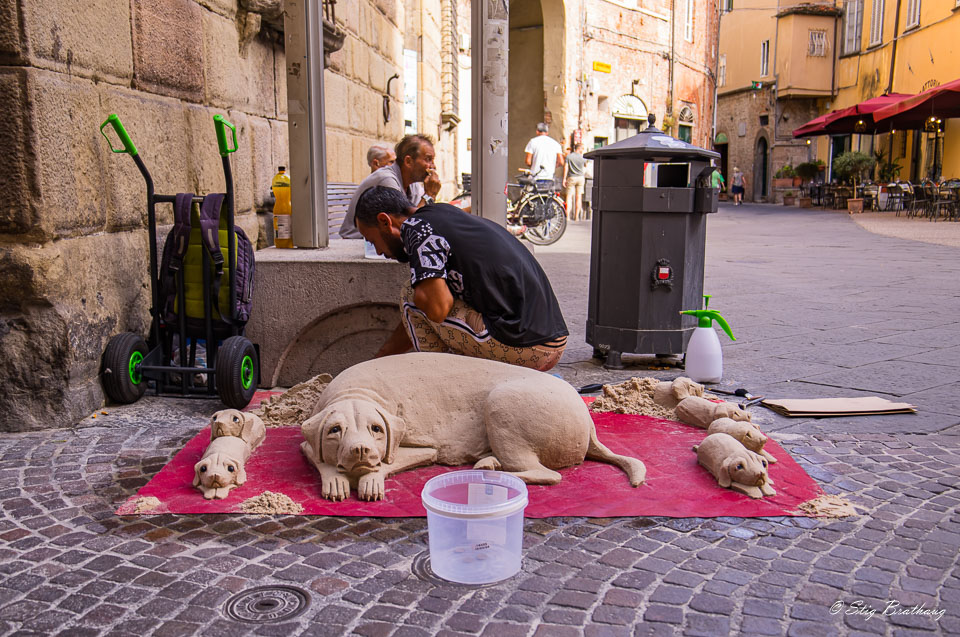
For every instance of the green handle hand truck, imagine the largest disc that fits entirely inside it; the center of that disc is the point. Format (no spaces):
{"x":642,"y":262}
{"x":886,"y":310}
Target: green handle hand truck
{"x":232,"y":361}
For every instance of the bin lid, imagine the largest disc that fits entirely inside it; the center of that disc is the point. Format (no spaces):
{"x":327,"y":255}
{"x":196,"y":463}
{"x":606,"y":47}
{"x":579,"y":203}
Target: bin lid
{"x":655,"y":145}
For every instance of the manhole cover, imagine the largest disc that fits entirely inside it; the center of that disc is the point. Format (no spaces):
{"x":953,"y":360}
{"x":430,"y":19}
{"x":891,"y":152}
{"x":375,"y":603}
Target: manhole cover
{"x":267,"y":604}
{"x":421,"y":568}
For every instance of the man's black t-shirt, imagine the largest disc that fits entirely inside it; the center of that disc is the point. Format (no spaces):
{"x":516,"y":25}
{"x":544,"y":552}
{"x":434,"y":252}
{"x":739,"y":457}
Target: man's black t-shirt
{"x":486,"y":267}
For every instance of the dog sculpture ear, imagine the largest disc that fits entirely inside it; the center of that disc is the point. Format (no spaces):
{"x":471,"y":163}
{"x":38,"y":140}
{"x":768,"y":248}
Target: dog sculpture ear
{"x":312,"y":430}
{"x":241,"y":472}
{"x":213,"y":425}
{"x":395,"y":428}
{"x":724,"y":479}
{"x":196,"y":474}
{"x":247,"y":429}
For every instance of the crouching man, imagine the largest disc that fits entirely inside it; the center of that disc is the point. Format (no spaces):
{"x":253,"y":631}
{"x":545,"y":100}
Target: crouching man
{"x":474,"y":290}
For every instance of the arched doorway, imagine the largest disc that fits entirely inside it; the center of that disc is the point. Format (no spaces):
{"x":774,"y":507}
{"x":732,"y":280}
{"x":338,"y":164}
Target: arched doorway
{"x":525,"y":100}
{"x":536,"y":75}
{"x":760,"y":171}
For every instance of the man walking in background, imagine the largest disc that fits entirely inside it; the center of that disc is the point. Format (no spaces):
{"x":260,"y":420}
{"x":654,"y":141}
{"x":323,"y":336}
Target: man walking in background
{"x":543,"y":154}
{"x":573,"y":180}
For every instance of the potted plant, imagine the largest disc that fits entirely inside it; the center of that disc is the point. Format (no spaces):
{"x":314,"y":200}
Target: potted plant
{"x":851,"y":165}
{"x":789,"y":199}
{"x":783,"y":178}
{"x":807,"y":171}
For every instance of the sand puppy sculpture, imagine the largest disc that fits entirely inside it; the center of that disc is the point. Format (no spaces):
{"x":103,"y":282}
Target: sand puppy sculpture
{"x":747,"y":433}
{"x":390,"y":414}
{"x":232,"y":422}
{"x":669,"y":394}
{"x":734,"y":466}
{"x":700,"y":412}
{"x":233,"y":437}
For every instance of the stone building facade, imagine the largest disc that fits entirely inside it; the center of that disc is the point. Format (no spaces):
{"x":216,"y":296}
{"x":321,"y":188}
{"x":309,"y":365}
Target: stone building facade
{"x":73,"y":223}
{"x":73,"y":240}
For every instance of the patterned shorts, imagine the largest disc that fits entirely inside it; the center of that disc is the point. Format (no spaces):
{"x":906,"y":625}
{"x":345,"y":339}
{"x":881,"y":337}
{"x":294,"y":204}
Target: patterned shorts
{"x":464,"y":333}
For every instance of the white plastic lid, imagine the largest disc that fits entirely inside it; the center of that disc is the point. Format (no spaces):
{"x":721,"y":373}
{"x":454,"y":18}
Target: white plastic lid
{"x":494,"y":478}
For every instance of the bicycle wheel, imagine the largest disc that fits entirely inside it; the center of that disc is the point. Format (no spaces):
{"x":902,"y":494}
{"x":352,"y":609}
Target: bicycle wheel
{"x":549,"y":218}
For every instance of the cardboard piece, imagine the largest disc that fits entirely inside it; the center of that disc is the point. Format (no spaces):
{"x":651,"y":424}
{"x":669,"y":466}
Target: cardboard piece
{"x":835,"y":407}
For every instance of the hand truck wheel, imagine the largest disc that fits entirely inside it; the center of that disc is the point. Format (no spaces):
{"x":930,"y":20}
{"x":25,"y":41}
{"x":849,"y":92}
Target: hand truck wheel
{"x":236,"y":372}
{"x":122,"y":380}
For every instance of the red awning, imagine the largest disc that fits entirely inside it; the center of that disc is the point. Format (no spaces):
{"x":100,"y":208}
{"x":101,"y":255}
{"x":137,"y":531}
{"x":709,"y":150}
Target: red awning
{"x":940,"y":102}
{"x":853,"y":119}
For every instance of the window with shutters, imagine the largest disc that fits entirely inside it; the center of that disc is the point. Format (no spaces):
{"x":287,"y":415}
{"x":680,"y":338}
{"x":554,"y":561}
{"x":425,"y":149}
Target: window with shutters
{"x":876,"y":23}
{"x":852,"y":25}
{"x":764,"y":58}
{"x":722,"y":70}
{"x":913,"y":13}
{"x":688,"y":22}
{"x":817,"y":46}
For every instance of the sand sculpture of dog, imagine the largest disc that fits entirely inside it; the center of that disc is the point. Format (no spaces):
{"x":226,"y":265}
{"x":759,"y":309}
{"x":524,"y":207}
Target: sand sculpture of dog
{"x":233,"y":437}
{"x":668,"y":394}
{"x":747,"y":433}
{"x":241,"y":424}
{"x":700,"y":412}
{"x":390,"y":414}
{"x":734,"y":466}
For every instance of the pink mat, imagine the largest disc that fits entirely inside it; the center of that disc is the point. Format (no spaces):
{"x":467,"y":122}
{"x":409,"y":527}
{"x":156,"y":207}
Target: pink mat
{"x":676,"y":486}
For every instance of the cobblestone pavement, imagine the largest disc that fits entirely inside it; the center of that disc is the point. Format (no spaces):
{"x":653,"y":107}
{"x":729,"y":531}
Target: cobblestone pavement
{"x":70,"y":566}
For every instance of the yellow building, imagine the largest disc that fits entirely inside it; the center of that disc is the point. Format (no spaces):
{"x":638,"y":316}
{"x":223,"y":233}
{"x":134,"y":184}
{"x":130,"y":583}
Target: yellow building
{"x":899,"y":46}
{"x":783,"y":64}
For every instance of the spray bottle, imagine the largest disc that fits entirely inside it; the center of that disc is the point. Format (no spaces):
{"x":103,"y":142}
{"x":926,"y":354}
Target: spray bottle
{"x":704,"y":359}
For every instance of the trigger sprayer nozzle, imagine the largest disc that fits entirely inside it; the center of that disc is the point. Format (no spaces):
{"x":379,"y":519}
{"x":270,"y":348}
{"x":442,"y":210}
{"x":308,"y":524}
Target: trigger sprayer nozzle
{"x":707,"y":317}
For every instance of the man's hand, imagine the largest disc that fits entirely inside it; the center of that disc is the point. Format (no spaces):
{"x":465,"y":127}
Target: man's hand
{"x":398,"y":343}
{"x":432,"y":183}
{"x":433,"y":297}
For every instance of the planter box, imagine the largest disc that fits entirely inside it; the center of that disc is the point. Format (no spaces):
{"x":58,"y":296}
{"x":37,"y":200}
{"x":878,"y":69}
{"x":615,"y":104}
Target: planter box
{"x":806,"y":202}
{"x":797,"y":182}
{"x":783,"y":182}
{"x":854,"y":205}
{"x":789,"y":200}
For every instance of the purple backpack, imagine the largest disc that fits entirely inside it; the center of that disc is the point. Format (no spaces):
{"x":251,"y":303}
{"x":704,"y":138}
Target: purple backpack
{"x":198,"y":229}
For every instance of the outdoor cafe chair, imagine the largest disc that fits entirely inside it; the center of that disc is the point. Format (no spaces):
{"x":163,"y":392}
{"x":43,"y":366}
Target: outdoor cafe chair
{"x":920,"y":202}
{"x":945,"y":204}
{"x":894,"y":198}
{"x":869,"y":193}
{"x":908,"y":193}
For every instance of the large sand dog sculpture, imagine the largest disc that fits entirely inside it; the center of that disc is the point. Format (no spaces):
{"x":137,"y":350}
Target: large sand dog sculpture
{"x":233,"y":437}
{"x":390,"y":414}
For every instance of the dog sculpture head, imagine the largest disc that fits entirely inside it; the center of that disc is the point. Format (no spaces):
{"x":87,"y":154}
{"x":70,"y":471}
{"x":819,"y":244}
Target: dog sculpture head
{"x":747,"y":433}
{"x":217,"y":473}
{"x":240,"y":424}
{"x":731,"y":411}
{"x":354,"y":435}
{"x":744,"y":467}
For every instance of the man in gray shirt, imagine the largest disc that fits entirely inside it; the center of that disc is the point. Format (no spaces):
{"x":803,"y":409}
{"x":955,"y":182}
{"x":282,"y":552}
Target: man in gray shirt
{"x":414,"y":174}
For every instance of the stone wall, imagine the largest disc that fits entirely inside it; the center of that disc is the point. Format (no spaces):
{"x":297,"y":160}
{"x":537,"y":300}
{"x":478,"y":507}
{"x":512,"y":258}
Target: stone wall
{"x":73,"y":240}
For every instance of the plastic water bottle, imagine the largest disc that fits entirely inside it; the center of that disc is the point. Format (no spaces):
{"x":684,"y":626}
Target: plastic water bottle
{"x":704,"y":358}
{"x":282,"y":212}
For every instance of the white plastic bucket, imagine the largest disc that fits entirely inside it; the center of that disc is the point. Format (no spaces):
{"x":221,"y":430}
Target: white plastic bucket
{"x":475,"y":524}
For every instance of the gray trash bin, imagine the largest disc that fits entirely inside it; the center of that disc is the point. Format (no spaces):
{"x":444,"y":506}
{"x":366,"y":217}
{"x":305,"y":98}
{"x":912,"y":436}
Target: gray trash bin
{"x":650,"y":194}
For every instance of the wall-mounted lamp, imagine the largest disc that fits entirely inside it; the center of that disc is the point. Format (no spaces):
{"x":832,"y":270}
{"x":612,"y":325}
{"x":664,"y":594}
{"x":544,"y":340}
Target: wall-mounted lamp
{"x":386,"y":99}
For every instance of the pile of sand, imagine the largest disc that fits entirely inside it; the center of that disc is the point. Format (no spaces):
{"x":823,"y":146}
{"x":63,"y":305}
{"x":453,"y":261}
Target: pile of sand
{"x":145,"y":505}
{"x":828,"y":506}
{"x":634,"y":396}
{"x":295,"y":405}
{"x":270,"y":502}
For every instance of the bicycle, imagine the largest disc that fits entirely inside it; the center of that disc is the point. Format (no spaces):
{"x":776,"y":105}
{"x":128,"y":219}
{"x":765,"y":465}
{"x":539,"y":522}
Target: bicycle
{"x":534,"y":203}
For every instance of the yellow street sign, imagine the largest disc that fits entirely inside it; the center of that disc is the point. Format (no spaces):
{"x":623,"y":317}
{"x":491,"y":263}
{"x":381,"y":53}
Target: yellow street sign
{"x":603,"y":67}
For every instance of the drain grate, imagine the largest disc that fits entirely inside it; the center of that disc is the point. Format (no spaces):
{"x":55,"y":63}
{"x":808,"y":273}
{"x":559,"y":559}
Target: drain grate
{"x":422,"y":569}
{"x":267,"y":604}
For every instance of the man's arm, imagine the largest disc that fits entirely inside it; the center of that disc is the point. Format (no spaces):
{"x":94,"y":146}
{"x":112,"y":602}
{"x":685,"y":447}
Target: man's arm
{"x":434,"y":298}
{"x":529,"y":159}
{"x":565,"y":165}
